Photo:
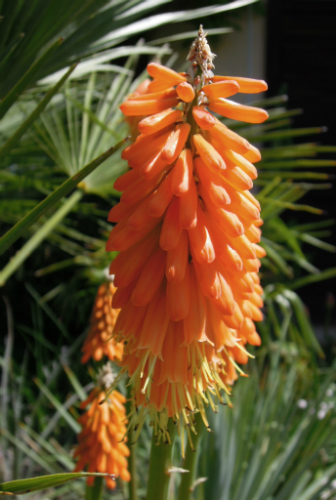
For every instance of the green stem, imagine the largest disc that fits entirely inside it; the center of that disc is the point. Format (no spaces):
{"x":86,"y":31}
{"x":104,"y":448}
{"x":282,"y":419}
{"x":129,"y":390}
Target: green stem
{"x":15,"y":232}
{"x":38,"y":237}
{"x":95,"y":492}
{"x":191,"y":460}
{"x":159,"y":464}
{"x":132,"y":485}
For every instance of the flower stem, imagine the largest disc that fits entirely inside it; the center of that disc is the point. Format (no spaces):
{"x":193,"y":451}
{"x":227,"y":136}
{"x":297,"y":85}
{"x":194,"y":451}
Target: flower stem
{"x":191,"y":460}
{"x":95,"y":492}
{"x":159,"y":464}
{"x":132,"y":485}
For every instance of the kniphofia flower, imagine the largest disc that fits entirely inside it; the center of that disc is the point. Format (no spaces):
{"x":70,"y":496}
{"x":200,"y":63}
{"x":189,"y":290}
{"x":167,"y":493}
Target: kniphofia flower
{"x":187,"y":231}
{"x":99,"y":341}
{"x":102,"y":442}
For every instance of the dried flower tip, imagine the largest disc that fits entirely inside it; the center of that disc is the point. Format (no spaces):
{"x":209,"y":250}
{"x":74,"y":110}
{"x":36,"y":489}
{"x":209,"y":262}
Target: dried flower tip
{"x":105,"y":376}
{"x":200,"y":53}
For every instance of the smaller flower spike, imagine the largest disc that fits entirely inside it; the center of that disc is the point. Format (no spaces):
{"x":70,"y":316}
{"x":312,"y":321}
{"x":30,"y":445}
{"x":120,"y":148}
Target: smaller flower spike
{"x":102,"y":443}
{"x":99,"y":341}
{"x":187,"y":230}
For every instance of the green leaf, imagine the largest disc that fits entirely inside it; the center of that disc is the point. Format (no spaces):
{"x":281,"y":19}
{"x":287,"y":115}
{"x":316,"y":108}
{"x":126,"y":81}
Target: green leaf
{"x":307,"y":280}
{"x":22,"y":486}
{"x":38,"y":237}
{"x":22,"y":84}
{"x":15,"y":232}
{"x":12,"y":141}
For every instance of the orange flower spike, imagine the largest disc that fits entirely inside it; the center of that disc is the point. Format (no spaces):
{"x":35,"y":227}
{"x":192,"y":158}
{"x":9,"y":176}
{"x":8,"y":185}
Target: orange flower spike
{"x":221,"y":89}
{"x":99,"y":449}
{"x":203,"y":118}
{"x":99,"y":341}
{"x":231,"y":109}
{"x":166,"y":74}
{"x":185,"y":92}
{"x":188,"y":229}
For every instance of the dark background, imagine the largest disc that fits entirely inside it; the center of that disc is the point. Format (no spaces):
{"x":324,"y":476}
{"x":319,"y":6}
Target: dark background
{"x":301,"y":62}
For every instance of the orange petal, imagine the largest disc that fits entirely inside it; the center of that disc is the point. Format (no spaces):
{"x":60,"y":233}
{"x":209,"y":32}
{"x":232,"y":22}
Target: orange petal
{"x":234,"y":159}
{"x":194,"y":322}
{"x":138,"y":190}
{"x":231,"y":109}
{"x":120,"y":211}
{"x":161,"y":198}
{"x":221,"y":89}
{"x":185,"y":92}
{"x":163,"y":73}
{"x":253,"y":154}
{"x":126,"y":180}
{"x":203,"y":118}
{"x":208,"y":279}
{"x":148,"y":107}
{"x":178,"y":295}
{"x":153,"y":167}
{"x":224,"y":137}
{"x":227,"y":221}
{"x":188,"y":205}
{"x":150,"y":278}
{"x":159,"y":121}
{"x":159,"y":86}
{"x":260,"y":251}
{"x":171,"y":228}
{"x":128,"y":265}
{"x":177,"y":259}
{"x":246,"y":85}
{"x":181,"y":173}
{"x":175,"y":143}
{"x":200,"y":240}
{"x":141,"y":215}
{"x":208,"y":153}
{"x":211,"y":182}
{"x":150,"y":96}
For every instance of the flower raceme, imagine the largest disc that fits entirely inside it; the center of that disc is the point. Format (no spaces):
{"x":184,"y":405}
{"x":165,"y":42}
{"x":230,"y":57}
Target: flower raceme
{"x":101,"y":444}
{"x":99,"y":341}
{"x":187,"y":231}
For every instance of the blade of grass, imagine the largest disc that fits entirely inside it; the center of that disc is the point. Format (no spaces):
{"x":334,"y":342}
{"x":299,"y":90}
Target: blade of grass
{"x":60,"y":408}
{"x":21,"y":486}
